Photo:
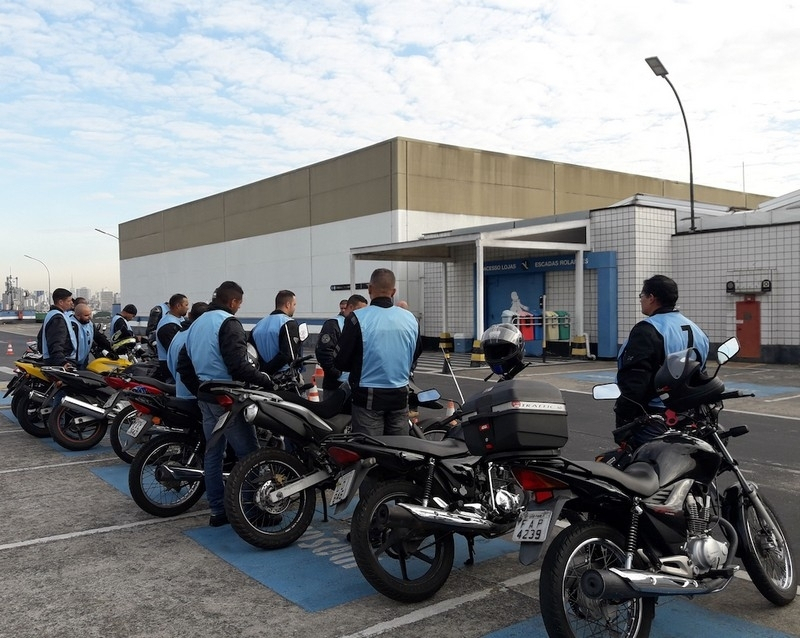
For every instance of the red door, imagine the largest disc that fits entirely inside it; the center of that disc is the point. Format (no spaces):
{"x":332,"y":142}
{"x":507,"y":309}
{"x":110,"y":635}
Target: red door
{"x":748,"y":328}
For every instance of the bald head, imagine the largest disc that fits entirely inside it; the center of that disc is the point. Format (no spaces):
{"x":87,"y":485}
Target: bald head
{"x":382,"y":283}
{"x":83,"y":313}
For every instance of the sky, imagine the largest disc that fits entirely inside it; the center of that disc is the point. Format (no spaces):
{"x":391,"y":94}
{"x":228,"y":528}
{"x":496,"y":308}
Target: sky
{"x":111,"y":110}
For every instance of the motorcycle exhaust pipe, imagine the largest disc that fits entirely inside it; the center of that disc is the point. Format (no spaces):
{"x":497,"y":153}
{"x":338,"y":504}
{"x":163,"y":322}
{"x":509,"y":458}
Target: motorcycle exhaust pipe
{"x":38,"y":397}
{"x":178,"y":473}
{"x":87,"y":409}
{"x":417,"y":516}
{"x":616,"y":583}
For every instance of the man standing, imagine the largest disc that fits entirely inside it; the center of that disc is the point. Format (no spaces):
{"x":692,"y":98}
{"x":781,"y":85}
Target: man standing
{"x":175,"y":346}
{"x":168,"y":326}
{"x":378,"y":346}
{"x":87,"y":335}
{"x":277,"y":336}
{"x":56,"y":340}
{"x":120,"y":325}
{"x":216,"y":348}
{"x":328,"y":340}
{"x":664,"y":331}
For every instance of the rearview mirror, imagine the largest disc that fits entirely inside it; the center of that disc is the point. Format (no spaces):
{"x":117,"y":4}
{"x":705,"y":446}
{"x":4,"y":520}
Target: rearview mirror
{"x":606,"y":391}
{"x":428,"y":395}
{"x":727,"y":350}
{"x":302,"y":329}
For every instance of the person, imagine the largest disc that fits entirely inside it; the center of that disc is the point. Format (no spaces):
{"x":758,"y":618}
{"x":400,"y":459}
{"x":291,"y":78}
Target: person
{"x":403,"y":304}
{"x":88,"y":336}
{"x":56,"y":340}
{"x":342,"y":306}
{"x":120,"y":328}
{"x":167,"y":328}
{"x":175,"y":346}
{"x":216,"y":348}
{"x":156,"y":313}
{"x":325,"y":351}
{"x":379,"y":345}
{"x":277,"y":336}
{"x":664,"y":330}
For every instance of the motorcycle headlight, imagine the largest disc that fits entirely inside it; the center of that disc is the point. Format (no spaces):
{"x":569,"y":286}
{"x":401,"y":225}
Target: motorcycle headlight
{"x":250,"y":412}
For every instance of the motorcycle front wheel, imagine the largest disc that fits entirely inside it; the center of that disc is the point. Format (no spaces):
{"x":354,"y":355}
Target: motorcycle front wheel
{"x":567,"y":612}
{"x":153,"y":489}
{"x":27,"y":413}
{"x":766,"y":553}
{"x":256,"y":520}
{"x":74,"y":431}
{"x":409,"y":565}
{"x":118,"y":434}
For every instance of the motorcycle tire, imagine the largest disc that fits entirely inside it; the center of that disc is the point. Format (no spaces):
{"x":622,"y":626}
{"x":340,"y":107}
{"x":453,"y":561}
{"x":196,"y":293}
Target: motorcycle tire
{"x":403,"y":564}
{"x":27,"y":413}
{"x":260,"y":523}
{"x":16,"y":397}
{"x":767,"y":554}
{"x":75,"y":431}
{"x":118,"y":434}
{"x":566,"y":611}
{"x":166,"y":497}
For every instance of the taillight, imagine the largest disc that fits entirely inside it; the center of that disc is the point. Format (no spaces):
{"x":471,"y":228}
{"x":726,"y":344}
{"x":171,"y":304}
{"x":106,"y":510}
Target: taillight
{"x":343,"y":457}
{"x":118,"y":383}
{"x":539,"y":485}
{"x":225,"y":401}
{"x":141,"y":408}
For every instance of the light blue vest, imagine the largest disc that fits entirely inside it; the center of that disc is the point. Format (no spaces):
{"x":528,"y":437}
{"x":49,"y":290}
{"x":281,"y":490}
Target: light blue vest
{"x":85,"y":340}
{"x":167,"y":318}
{"x":113,"y":323}
{"x":202,"y":346}
{"x":389,"y":339}
{"x":178,"y":341}
{"x":266,"y":336}
{"x":61,"y":317}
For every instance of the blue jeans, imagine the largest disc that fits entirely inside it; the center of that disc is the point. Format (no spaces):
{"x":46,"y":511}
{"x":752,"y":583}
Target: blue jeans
{"x":380,"y":422}
{"x":242,"y":437}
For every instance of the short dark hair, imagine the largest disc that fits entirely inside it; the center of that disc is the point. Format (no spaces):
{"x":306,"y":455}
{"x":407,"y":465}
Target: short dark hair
{"x":176,"y":299}
{"x":198,"y":308}
{"x":283,"y":297}
{"x":59,"y":294}
{"x":130,"y":309}
{"x":355,"y":299}
{"x":227,"y":291}
{"x":662,"y":288}
{"x":77,"y":300}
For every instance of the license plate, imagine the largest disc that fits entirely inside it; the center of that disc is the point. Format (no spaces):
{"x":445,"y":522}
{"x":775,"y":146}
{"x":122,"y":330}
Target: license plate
{"x":342,"y":487}
{"x":136,"y":427}
{"x":532,"y":526}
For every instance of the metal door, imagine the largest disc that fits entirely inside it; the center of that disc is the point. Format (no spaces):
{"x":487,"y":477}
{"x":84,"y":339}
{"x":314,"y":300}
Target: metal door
{"x":748,"y":328}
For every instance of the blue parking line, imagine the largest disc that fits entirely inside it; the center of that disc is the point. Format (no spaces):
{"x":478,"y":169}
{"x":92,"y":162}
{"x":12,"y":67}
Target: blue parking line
{"x":115,"y":475}
{"x":674,"y":619}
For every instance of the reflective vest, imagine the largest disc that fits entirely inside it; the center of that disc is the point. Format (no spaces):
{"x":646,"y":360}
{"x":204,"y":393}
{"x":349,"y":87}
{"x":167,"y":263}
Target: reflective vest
{"x":202,"y":346}
{"x":167,"y":318}
{"x":178,"y":341}
{"x":266,"y":336}
{"x":85,"y":340}
{"x":389,"y":339}
{"x":61,"y":317}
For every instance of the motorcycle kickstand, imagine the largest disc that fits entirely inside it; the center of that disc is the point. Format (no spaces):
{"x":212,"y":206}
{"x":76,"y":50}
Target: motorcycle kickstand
{"x":471,"y":550}
{"x":324,"y":505}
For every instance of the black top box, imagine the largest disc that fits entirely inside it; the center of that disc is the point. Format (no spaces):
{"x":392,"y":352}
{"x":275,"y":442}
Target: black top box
{"x":516,"y":415}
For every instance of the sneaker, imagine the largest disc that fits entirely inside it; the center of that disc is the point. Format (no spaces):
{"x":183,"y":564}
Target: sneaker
{"x":218,"y":520}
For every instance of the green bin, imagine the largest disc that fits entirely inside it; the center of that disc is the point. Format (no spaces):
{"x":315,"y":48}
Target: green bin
{"x":563,"y":325}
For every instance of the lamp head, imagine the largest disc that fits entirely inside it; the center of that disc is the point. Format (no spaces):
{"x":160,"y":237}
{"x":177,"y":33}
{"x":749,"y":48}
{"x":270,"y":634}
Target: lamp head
{"x":658,"y":68}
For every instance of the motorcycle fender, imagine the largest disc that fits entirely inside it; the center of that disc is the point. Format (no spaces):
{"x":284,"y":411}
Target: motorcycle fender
{"x":529,"y":552}
{"x":365,"y":465}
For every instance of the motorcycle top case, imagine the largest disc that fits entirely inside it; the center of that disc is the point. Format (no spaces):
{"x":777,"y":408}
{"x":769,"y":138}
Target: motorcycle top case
{"x":515,"y":415}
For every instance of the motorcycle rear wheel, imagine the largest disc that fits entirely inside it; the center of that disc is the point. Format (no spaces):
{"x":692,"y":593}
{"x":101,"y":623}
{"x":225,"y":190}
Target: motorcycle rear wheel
{"x":166,"y":497}
{"x":260,"y":523}
{"x":118,"y":434}
{"x":75,"y":431}
{"x":767,"y":554}
{"x":567,"y":612}
{"x":402,"y":564}
{"x":27,"y":413}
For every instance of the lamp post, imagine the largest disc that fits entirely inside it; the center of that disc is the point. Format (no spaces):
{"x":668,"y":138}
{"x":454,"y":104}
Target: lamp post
{"x":661,"y":71}
{"x":105,"y":233}
{"x":49,"y":289}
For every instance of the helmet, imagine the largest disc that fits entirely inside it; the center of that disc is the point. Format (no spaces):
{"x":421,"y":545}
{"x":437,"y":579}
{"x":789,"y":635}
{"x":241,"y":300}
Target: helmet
{"x":682,"y":383}
{"x":503,"y":347}
{"x":123,"y":344}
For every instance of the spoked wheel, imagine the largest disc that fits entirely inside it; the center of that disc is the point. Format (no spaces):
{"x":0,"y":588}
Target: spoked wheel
{"x":766,"y":554}
{"x":567,"y":612}
{"x":75,"y":431}
{"x":402,"y":563}
{"x":258,"y":521}
{"x":158,"y":491}
{"x":30,"y":420}
{"x":119,"y":437}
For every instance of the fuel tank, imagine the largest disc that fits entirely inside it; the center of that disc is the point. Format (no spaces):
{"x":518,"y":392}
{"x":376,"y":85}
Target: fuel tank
{"x":678,"y":456}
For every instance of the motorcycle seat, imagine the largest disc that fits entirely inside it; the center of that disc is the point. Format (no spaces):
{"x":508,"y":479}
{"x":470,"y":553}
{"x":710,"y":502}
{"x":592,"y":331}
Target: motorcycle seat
{"x":444,"y":449}
{"x":166,"y":388}
{"x":639,"y":478}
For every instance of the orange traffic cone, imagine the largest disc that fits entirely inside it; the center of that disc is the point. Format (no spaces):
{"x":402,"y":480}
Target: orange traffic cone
{"x":319,"y":373}
{"x":313,"y":393}
{"x":10,"y":350}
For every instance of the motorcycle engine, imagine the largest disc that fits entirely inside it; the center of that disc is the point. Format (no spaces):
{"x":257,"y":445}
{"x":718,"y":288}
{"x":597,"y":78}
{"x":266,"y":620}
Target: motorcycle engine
{"x":507,"y":502}
{"x":706,"y":553}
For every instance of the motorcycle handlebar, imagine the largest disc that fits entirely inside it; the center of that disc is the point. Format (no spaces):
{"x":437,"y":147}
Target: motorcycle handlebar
{"x":735,"y":394}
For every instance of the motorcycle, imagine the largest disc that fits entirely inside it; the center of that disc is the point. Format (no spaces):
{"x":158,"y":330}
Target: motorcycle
{"x":166,"y":474}
{"x":662,"y":526}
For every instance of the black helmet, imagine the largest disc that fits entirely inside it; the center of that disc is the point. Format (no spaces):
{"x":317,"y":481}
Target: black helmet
{"x":503,"y":347}
{"x":682,"y":383}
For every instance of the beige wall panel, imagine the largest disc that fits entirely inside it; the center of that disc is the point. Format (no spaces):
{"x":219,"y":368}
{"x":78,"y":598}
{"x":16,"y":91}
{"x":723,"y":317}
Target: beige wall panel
{"x":269,"y":219}
{"x":151,"y":244}
{"x":601,"y":183}
{"x":571,"y":202}
{"x":274,"y":190}
{"x":365,"y":165}
{"x":355,"y":200}
{"x":195,"y":224}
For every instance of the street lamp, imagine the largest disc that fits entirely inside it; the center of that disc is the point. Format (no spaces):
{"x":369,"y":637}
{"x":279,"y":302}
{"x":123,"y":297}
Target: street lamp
{"x":49,"y":289}
{"x":105,"y":233}
{"x":661,"y":71}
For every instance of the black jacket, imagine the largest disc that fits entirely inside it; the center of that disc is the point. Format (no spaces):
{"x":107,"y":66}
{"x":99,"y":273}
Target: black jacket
{"x":326,"y":353}
{"x":58,"y":340}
